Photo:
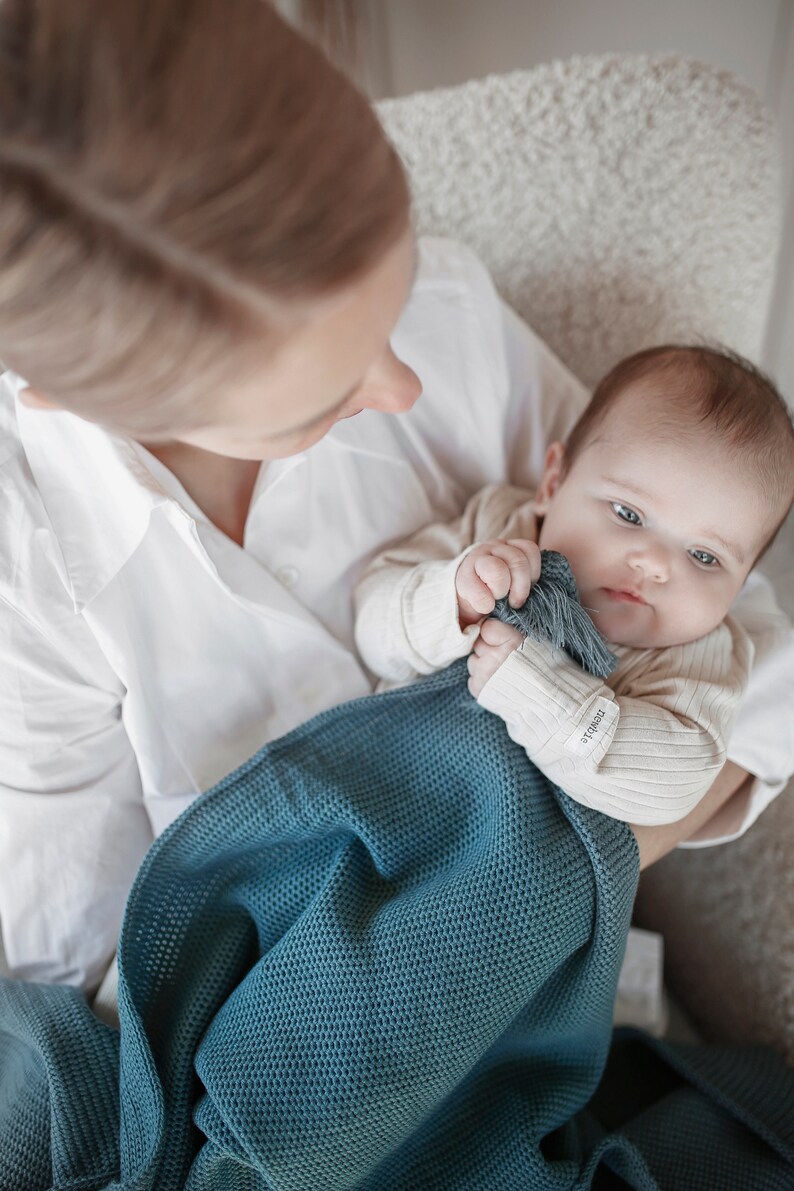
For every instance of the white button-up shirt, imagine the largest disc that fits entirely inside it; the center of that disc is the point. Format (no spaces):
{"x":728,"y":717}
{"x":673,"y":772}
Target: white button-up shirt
{"x":144,"y":654}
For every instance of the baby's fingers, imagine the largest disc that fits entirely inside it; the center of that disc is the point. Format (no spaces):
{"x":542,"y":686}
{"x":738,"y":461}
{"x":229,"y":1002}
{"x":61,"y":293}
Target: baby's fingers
{"x":494,"y":633}
{"x":473,"y":594}
{"x":494,"y":571}
{"x":508,"y":568}
{"x":524,"y":569}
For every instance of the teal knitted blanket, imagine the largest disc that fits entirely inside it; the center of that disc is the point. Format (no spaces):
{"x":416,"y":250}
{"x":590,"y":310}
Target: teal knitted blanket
{"x":382,"y":954}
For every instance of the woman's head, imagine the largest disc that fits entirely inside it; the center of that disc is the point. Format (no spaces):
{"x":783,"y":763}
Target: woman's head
{"x":186,"y":188}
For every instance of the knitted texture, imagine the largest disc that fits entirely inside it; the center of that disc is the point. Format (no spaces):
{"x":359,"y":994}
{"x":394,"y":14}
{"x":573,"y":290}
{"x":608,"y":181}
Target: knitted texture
{"x":553,"y":613}
{"x":382,"y":954}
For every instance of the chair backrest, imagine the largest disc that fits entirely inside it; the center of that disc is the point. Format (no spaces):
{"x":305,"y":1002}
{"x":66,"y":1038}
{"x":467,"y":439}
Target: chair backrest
{"x":618,"y":201}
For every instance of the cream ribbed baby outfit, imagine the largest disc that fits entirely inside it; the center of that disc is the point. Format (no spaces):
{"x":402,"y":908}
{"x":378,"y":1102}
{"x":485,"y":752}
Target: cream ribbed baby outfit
{"x":643,"y":746}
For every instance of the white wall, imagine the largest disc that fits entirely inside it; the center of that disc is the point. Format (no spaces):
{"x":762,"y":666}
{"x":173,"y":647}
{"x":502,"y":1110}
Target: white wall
{"x":439,"y":42}
{"x":780,"y":97}
{"x":414,"y":45}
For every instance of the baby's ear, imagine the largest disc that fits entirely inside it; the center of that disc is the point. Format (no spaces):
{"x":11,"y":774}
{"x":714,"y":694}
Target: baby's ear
{"x":551,"y":478}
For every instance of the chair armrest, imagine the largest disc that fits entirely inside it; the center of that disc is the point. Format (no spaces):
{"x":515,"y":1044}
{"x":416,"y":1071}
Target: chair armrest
{"x":727,"y":916}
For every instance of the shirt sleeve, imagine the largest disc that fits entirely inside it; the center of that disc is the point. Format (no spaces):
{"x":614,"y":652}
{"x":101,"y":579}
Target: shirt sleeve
{"x":73,"y":828}
{"x":406,"y":604}
{"x":762,"y":740}
{"x":645,"y":749}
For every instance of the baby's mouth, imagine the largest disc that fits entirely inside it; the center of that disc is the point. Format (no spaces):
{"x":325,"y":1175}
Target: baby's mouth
{"x":624,"y":596}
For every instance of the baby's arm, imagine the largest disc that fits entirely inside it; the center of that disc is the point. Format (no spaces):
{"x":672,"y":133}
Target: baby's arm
{"x":411,"y":618}
{"x":645,"y":749}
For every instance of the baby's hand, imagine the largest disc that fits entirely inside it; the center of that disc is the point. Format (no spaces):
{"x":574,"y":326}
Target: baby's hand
{"x":493,"y":570}
{"x":493,"y":646}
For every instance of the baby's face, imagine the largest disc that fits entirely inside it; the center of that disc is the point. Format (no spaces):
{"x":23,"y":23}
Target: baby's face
{"x":673,"y":524}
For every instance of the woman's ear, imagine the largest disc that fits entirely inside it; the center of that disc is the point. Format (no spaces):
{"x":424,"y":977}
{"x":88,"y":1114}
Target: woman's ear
{"x":551,"y":478}
{"x":36,"y":400}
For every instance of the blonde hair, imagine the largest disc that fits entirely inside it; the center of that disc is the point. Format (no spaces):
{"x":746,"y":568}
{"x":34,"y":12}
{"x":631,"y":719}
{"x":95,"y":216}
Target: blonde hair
{"x":173,"y":173}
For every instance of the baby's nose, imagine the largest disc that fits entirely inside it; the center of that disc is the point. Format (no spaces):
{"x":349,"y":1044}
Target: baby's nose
{"x":653,"y":563}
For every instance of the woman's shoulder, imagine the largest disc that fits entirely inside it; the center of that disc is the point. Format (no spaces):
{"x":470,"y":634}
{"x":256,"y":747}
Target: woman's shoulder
{"x":453,"y":320}
{"x":10,"y":445}
{"x":18,"y":492}
{"x":444,"y":259}
{"x":452,"y":273}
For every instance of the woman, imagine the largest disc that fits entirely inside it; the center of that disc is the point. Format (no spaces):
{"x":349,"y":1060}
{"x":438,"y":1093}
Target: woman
{"x":205,"y":264}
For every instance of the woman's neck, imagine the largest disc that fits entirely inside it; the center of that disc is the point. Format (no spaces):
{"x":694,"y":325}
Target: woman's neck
{"x":221,"y":486}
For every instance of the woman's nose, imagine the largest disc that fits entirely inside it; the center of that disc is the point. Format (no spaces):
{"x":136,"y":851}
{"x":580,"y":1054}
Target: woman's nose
{"x":652,"y":561}
{"x":390,"y":386}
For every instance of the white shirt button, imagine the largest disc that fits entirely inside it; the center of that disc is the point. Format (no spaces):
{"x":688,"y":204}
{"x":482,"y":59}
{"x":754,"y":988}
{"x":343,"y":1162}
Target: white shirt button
{"x":288,"y":576}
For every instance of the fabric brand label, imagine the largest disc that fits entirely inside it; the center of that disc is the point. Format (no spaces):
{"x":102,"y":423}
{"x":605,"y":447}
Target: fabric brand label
{"x":594,"y":728}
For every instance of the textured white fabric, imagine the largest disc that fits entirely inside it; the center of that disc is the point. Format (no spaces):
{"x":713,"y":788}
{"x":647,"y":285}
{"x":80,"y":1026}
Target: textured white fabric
{"x":618,"y":201}
{"x":660,"y":722}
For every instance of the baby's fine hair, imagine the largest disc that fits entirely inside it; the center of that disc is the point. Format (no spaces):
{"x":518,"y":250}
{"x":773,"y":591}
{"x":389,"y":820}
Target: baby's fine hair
{"x":174,"y":175}
{"x":710,"y":386}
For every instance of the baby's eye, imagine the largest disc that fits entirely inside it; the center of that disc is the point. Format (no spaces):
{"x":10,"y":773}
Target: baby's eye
{"x":705,"y":559}
{"x":625,"y":513}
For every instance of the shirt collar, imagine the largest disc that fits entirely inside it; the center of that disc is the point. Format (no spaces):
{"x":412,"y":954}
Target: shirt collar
{"x":99,"y":493}
{"x":96,"y":490}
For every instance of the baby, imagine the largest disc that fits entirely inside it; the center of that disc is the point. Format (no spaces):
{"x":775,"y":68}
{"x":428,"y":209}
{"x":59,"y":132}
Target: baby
{"x":670,"y":487}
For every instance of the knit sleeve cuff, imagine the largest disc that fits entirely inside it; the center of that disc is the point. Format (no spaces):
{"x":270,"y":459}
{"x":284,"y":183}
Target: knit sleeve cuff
{"x":430,"y":615}
{"x":545,"y":696}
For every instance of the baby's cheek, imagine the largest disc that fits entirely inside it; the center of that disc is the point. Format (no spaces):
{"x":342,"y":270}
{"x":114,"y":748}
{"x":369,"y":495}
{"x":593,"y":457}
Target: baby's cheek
{"x":693,"y":615}
{"x":560,"y":535}
{"x":589,"y":557}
